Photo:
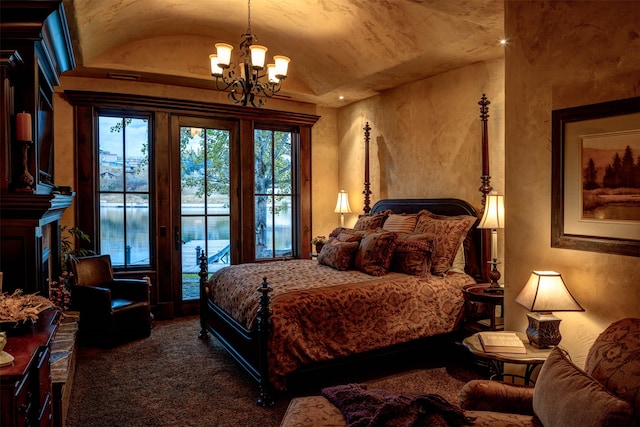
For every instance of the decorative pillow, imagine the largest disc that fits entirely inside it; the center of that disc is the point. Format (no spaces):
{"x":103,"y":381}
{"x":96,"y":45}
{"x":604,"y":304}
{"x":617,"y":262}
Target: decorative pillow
{"x":375,"y":253}
{"x":337,"y":254}
{"x":371,"y":221}
{"x":566,"y":396}
{"x":614,"y":360}
{"x":402,"y":223}
{"x":450,"y":232}
{"x":347,"y":234}
{"x":429,"y":237}
{"x":412,"y":257}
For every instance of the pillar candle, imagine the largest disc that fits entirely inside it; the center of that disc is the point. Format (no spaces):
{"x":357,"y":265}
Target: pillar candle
{"x":23,"y":127}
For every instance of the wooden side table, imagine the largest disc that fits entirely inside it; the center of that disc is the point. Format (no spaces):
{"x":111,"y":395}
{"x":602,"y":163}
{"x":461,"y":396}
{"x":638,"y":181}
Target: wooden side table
{"x":483,"y":318}
{"x":533,"y":358}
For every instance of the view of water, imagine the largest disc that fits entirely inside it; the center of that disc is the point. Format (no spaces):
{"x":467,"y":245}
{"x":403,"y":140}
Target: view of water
{"x":193,"y":228}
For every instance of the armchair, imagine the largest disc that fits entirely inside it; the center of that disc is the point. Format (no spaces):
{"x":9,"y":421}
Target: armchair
{"x":112,"y":311}
{"x":606,"y":393}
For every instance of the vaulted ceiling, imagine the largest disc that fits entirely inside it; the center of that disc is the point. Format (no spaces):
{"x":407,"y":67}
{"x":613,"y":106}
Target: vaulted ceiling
{"x":350,"y":48}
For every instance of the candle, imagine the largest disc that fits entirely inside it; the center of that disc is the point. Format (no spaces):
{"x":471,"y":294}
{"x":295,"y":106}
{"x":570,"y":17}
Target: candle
{"x":23,"y":127}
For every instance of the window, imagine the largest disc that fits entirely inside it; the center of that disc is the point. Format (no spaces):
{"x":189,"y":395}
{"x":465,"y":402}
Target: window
{"x":273,"y":193}
{"x":124,"y":190}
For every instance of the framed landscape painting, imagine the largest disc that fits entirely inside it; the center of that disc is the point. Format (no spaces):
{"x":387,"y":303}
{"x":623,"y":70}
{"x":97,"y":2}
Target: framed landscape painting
{"x":595,"y":195}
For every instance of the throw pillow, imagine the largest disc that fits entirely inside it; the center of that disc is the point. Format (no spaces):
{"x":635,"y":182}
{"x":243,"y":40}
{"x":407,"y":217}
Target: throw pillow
{"x":566,"y":396}
{"x":347,"y":234}
{"x":450,"y":232}
{"x":401,"y":223}
{"x":412,"y":257}
{"x":614,"y":360}
{"x":375,"y":253}
{"x":337,"y":254}
{"x":371,"y":221}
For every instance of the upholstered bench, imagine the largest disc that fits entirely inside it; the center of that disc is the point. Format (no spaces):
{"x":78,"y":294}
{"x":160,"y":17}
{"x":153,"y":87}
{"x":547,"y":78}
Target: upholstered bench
{"x":312,"y":411}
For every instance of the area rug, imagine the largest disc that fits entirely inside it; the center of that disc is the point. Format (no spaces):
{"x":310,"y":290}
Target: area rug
{"x":174,"y":379}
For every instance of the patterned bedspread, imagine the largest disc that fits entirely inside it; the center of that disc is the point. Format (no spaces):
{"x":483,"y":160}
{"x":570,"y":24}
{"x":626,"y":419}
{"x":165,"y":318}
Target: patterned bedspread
{"x":321,"y":314}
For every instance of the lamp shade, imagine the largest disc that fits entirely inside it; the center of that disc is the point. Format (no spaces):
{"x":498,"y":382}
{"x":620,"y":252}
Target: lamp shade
{"x":271,"y":73}
{"x":282,"y":65}
{"x":258,"y":55}
{"x":546,"y":291}
{"x":342,"y":205}
{"x":224,"y":53}
{"x":493,"y":216}
{"x":215,"y":68}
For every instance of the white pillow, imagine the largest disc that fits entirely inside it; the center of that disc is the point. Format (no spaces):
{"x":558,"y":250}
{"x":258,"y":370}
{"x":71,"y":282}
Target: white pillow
{"x":459,"y":261}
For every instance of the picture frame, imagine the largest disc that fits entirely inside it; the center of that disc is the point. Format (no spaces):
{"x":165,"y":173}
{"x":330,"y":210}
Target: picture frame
{"x":595,"y":199}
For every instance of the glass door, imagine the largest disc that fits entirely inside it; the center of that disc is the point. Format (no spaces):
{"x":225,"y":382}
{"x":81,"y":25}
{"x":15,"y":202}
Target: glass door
{"x":203,"y":218}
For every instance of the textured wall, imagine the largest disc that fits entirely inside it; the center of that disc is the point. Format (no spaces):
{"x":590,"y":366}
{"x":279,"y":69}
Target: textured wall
{"x":425,"y":137}
{"x":563,"y":54}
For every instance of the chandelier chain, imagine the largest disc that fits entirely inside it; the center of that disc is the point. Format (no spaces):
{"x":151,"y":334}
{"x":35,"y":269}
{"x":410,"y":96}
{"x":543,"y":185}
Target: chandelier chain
{"x":248,"y":16}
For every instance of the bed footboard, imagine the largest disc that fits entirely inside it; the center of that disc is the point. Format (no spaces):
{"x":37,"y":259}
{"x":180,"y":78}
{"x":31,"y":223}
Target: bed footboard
{"x":248,"y":347}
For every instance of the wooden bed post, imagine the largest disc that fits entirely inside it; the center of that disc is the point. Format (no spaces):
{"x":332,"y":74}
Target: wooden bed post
{"x":366,"y":190}
{"x":486,"y":187}
{"x":204,"y":275}
{"x":486,"y":178}
{"x":264,"y":327}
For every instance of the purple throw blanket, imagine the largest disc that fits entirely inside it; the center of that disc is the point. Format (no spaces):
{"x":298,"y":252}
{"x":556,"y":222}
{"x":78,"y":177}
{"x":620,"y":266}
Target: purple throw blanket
{"x":371,"y":408}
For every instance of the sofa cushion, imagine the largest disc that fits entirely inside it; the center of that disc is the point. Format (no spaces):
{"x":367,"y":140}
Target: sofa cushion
{"x":614,"y":360}
{"x":566,"y":396}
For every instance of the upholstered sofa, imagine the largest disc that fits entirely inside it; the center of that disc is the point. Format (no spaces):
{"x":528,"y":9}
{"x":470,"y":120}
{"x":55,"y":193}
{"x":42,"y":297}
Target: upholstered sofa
{"x":605,"y":393}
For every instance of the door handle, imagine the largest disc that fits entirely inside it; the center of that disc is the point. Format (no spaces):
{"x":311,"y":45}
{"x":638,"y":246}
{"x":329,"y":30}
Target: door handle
{"x":178,"y":238}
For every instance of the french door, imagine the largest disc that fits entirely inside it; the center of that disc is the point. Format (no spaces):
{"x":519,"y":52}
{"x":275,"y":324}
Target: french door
{"x":205,"y":208}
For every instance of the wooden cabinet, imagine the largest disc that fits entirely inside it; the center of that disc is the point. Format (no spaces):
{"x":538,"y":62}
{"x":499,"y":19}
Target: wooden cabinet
{"x":35,"y":48}
{"x":25,"y":386}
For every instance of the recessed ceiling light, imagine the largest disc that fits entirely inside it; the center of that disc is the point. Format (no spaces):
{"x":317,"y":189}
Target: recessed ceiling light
{"x":341,"y":97}
{"x":504,"y":42}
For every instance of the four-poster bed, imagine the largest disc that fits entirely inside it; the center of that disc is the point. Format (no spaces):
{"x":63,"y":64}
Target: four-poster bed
{"x":305,"y":313}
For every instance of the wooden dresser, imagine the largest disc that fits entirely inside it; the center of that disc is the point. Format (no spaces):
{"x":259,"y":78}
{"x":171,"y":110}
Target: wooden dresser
{"x":26,"y":392}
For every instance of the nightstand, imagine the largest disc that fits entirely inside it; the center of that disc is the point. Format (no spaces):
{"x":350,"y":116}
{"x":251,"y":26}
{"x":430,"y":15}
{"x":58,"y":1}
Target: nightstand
{"x":480,"y":309}
{"x":531,"y":359}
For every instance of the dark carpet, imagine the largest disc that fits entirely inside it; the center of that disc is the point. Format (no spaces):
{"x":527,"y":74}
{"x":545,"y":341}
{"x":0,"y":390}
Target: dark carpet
{"x":174,"y":379}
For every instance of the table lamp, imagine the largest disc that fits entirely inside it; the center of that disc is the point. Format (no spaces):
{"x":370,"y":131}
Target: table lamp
{"x":342,"y":206}
{"x":545,"y":292}
{"x":493,"y":218}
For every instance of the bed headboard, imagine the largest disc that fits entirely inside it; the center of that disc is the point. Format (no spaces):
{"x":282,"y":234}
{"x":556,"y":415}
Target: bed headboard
{"x":448,"y":207}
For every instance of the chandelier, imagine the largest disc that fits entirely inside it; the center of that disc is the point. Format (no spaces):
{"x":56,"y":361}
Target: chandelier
{"x":253,"y":85}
